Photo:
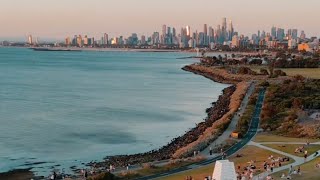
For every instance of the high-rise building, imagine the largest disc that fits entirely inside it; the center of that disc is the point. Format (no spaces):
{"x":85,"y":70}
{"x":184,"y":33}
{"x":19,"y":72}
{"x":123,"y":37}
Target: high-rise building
{"x":174,"y":33}
{"x":223,"y":34}
{"x":205,"y":35}
{"x":155,"y":39}
{"x":230,"y":31}
{"x":79,"y":41}
{"x":85,"y":40}
{"x":143,"y":40}
{"x":105,"y":39}
{"x":68,"y":41}
{"x":263,"y":35}
{"x":211,"y":35}
{"x":294,"y":34}
{"x":235,"y":41}
{"x":164,"y":34}
{"x":273,"y":32}
{"x":224,"y":24}
{"x":30,"y":40}
{"x":188,"y":31}
{"x":280,"y":34}
{"x":205,"y":29}
{"x":302,"y":35}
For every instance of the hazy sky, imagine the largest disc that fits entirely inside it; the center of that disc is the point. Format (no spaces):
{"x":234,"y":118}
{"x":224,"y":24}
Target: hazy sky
{"x":60,"y":18}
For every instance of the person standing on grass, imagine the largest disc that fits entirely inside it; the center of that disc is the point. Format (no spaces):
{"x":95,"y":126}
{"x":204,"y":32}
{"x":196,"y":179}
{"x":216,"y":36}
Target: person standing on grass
{"x":299,"y":170}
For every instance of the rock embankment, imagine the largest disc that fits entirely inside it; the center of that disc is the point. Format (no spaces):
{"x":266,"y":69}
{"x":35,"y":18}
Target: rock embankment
{"x":218,"y":110}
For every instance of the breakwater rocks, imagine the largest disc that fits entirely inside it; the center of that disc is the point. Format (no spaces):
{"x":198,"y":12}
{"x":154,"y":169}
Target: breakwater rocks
{"x":216,"y":75}
{"x":214,"y":113}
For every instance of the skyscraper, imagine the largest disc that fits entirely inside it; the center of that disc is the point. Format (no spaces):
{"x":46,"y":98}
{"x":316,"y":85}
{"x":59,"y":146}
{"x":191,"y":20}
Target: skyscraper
{"x":143,"y":40}
{"x":230,"y":31}
{"x":302,"y":35}
{"x":188,"y":31}
{"x":164,"y":34}
{"x":224,"y":23}
{"x":294,"y":33}
{"x":79,"y":41}
{"x":205,"y":35}
{"x":85,"y":40}
{"x":205,"y":29}
{"x":30,"y":41}
{"x":223,"y":35}
{"x":280,"y":34}
{"x":211,"y":35}
{"x":105,"y":39}
{"x":273,"y":32}
{"x":68,"y":41}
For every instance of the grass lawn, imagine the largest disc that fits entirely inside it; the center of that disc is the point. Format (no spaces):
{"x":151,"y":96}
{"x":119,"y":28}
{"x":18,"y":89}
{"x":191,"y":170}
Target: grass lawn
{"x":273,"y":138}
{"x":309,"y":171}
{"x":248,"y":153}
{"x":149,"y":170}
{"x":306,"y":72}
{"x":256,"y":154}
{"x":290,"y":148}
{"x":197,"y":174}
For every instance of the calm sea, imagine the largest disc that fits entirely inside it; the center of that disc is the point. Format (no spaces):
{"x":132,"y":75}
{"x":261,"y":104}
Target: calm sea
{"x":60,"y":109}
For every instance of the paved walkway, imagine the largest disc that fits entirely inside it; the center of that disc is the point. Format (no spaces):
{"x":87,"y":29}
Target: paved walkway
{"x":298,"y":160}
{"x":232,"y":126}
{"x":317,"y":143}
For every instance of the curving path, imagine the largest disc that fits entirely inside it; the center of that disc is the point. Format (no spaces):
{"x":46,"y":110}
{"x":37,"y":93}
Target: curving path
{"x":253,"y":127}
{"x":232,"y":126}
{"x":298,"y":160}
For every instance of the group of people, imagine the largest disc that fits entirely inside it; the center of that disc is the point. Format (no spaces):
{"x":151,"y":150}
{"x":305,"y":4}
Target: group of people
{"x":189,"y":178}
{"x":268,"y":165}
{"x":291,"y":171}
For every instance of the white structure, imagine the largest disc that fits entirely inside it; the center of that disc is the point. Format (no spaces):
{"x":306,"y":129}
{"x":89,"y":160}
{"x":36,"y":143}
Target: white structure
{"x":224,"y":170}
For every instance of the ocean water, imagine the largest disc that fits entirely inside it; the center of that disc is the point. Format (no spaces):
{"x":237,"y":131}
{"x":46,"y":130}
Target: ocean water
{"x":60,"y":109}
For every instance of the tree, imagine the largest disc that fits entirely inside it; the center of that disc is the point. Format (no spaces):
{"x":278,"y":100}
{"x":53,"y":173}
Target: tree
{"x":271,"y":67}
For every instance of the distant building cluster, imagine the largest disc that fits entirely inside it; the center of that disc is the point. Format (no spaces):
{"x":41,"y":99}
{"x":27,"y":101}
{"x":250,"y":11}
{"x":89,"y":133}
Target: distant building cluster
{"x":169,"y":37}
{"x":223,"y":35}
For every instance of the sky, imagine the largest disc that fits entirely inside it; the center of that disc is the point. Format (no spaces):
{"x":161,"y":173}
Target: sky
{"x":56,"y":19}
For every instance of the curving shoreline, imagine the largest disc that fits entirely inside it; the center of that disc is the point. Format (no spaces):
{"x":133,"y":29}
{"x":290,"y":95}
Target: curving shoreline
{"x":214,"y":113}
{"x":217,"y":111}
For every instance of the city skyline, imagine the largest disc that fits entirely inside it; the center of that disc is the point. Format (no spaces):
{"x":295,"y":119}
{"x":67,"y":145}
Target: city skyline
{"x":47,"y":19}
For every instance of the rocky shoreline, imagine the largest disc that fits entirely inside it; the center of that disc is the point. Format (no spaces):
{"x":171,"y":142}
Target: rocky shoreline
{"x":217,"y":110}
{"x":217,"y":77}
{"x":214,"y":113}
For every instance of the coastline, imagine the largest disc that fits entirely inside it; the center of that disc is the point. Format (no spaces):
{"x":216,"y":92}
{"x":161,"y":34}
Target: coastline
{"x":218,"y":114}
{"x":182,"y":146}
{"x":108,"y":49}
{"x":214,"y":113}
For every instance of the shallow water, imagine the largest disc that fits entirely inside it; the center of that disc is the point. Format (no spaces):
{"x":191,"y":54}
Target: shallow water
{"x":66,"y":108}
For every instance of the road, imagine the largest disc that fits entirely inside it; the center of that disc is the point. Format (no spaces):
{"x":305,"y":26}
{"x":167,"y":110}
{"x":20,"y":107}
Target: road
{"x":245,"y":140}
{"x":233,"y":124}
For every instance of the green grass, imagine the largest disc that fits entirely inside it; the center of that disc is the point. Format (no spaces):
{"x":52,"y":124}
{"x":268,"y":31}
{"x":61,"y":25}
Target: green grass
{"x":256,"y":154}
{"x":306,"y":72}
{"x":290,"y":148}
{"x":248,"y":153}
{"x":146,"y":171}
{"x":274,"y":138}
{"x":197,"y":174}
{"x":308,"y":170}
